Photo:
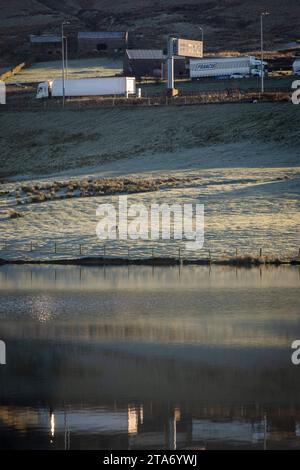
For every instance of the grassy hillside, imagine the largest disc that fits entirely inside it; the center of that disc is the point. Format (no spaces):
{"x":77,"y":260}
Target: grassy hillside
{"x":48,"y":142}
{"x":228,"y":24}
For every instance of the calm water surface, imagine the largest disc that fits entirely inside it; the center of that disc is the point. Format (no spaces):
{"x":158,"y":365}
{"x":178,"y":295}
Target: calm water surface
{"x":141,"y":358}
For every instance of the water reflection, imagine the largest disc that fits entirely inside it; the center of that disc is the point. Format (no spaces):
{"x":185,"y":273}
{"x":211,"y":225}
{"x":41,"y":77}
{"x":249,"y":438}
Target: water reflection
{"x":141,"y":358}
{"x":117,"y":427}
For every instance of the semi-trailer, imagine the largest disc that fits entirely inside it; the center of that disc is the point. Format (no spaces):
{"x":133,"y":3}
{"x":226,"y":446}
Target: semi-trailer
{"x":87,"y":87}
{"x":296,"y":67}
{"x":226,"y":67}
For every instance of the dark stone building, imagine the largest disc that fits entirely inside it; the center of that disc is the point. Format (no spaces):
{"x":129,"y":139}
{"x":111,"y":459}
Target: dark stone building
{"x":144,"y":62}
{"x":151,"y":63}
{"x":45,"y":47}
{"x":102,"y":42}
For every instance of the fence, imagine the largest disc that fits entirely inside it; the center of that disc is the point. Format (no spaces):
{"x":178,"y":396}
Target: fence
{"x":163,"y":253}
{"x":207,"y":97}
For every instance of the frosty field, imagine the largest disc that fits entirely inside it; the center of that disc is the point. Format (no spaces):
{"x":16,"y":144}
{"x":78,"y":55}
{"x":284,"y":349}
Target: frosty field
{"x":240,"y":161}
{"x":80,"y":68}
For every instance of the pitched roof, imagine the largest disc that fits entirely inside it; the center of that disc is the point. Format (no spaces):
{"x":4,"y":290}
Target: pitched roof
{"x":101,"y":35}
{"x":155,"y":54}
{"x":44,"y":38}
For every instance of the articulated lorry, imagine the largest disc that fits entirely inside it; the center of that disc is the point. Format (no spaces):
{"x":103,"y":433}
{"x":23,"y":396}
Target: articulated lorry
{"x":296,"y":67}
{"x":226,"y":67}
{"x":87,"y":87}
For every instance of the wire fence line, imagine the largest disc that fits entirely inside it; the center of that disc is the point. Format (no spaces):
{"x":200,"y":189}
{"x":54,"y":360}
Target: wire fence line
{"x":53,"y":249}
{"x":190,"y":98}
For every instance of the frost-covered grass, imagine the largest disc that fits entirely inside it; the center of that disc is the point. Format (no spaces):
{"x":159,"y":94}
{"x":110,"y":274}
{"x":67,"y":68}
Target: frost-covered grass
{"x":240,"y":161}
{"x":47,"y":142}
{"x":80,"y":68}
{"x":245,"y":209}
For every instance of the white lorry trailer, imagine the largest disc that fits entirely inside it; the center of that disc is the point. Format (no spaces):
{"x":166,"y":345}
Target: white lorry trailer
{"x":88,"y":87}
{"x":226,"y":67}
{"x":296,"y":67}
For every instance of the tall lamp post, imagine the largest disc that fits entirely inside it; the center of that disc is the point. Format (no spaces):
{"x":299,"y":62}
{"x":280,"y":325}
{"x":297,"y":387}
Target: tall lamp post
{"x":262,"y":15}
{"x":66,"y":58}
{"x":202,"y":34}
{"x":64,"y":23}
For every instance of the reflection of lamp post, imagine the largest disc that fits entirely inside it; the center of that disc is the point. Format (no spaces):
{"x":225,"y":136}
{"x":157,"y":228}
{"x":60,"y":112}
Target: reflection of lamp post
{"x":265,"y":432}
{"x":265,"y":13}
{"x":64,"y":23}
{"x":52,"y":424}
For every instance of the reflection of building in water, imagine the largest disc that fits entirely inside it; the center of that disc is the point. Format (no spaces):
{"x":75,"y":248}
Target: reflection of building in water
{"x":178,"y":430}
{"x":133,"y":419}
{"x":235,"y":430}
{"x":99,"y":422}
{"x":20,"y":418}
{"x":172,"y":429}
{"x":150,"y":427}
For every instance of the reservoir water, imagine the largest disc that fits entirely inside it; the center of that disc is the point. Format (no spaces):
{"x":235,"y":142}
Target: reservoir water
{"x":149,"y":358}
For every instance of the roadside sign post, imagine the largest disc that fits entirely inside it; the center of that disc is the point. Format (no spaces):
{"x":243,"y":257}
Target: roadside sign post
{"x":183,"y":48}
{"x":171,"y":48}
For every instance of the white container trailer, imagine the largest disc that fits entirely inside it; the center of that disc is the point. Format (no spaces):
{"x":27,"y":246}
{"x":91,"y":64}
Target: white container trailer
{"x":225,"y":67}
{"x":88,"y":87}
{"x":296,"y":67}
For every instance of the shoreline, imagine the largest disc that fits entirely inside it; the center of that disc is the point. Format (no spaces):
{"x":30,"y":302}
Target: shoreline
{"x":246,"y":261}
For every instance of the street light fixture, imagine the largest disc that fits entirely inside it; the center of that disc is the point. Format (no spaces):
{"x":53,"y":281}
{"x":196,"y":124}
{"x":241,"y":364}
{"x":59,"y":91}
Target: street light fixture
{"x":64,"y":23}
{"x":202,"y":33}
{"x":262,"y":15}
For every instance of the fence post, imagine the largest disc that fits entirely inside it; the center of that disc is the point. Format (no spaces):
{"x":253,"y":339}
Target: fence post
{"x":128,"y":252}
{"x":260,"y":253}
{"x":179,"y":254}
{"x":80,"y":249}
{"x":236,"y":252}
{"x":209,"y":254}
{"x":55,"y":247}
{"x":153,"y":252}
{"x":30,"y":246}
{"x":104,"y":250}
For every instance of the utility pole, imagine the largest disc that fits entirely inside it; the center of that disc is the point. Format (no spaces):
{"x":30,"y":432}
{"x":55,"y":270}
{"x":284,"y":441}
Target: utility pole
{"x":64,"y":23}
{"x":66,"y":58}
{"x":262,"y":15}
{"x":63,"y":62}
